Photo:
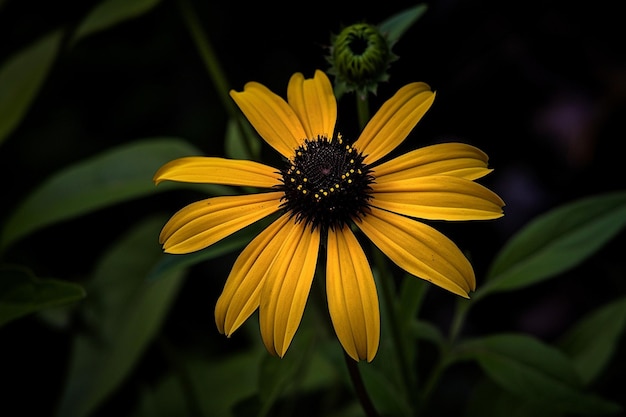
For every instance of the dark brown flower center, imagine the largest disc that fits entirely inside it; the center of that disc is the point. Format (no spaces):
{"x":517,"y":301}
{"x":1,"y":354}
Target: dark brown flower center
{"x":326,"y":183}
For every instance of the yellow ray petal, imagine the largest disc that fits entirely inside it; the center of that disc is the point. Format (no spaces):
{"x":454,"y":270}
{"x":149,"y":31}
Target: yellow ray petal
{"x":242,"y":290}
{"x":457,"y":159}
{"x":352,"y":297}
{"x":211,"y":170}
{"x":203,"y":223}
{"x":314,"y":102}
{"x":287,"y":286}
{"x":271,"y":116}
{"x":439,"y":197}
{"x":394,"y":121}
{"x":420,"y":250}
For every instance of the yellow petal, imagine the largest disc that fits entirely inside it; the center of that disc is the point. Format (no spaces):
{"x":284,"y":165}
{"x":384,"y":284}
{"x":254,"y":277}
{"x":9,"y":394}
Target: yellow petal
{"x":271,"y":116}
{"x":394,"y":121}
{"x":420,"y":250}
{"x":457,"y":159}
{"x":211,"y":170}
{"x":242,"y":291}
{"x":287,"y":286}
{"x":203,"y":223}
{"x":352,"y":297}
{"x":440,"y":197}
{"x":314,"y":102}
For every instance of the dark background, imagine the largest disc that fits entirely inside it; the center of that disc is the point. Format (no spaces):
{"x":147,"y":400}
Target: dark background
{"x":540,"y":86}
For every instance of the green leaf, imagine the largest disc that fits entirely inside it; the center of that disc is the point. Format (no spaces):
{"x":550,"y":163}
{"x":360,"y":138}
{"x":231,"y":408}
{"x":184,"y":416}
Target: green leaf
{"x":165,"y":398}
{"x":22,"y":293}
{"x":227,"y":245}
{"x":396,"y":25}
{"x":229,"y":380}
{"x":488,"y":399}
{"x":411,"y":297}
{"x":556,"y":241}
{"x":387,"y":398}
{"x":424,"y":330}
{"x":112,"y":177}
{"x":125,"y":312}
{"x":301,"y":369}
{"x":537,"y":373}
{"x":592,"y":341}
{"x":241,"y":142}
{"x":389,"y":378}
{"x":21,"y":77}
{"x":412,"y":293}
{"x":110,"y":13}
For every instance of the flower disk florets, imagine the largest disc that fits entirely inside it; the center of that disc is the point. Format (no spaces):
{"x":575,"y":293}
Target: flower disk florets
{"x":326,"y":183}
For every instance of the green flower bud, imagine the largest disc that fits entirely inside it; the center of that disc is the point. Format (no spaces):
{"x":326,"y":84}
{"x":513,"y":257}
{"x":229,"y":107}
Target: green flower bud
{"x":359,"y":56}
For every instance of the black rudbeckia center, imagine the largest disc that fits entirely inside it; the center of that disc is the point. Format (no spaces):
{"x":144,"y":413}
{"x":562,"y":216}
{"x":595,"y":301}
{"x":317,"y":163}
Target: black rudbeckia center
{"x":326,"y":184}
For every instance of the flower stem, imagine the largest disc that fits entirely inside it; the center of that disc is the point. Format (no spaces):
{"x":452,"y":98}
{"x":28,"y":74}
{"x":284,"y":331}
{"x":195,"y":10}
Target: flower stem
{"x":363,"y":111}
{"x":359,"y":387}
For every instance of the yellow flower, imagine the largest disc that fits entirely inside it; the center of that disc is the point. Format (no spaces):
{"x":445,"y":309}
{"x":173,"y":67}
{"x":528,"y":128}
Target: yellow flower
{"x":327,"y":185}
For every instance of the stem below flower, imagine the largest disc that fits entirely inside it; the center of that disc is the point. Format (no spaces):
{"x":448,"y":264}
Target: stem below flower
{"x":359,"y":387}
{"x":362,"y":108}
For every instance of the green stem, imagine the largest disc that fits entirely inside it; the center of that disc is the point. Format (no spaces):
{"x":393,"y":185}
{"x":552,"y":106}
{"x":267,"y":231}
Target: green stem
{"x":180,"y":370}
{"x":207,"y":54}
{"x":363,"y":111}
{"x":388,"y":293}
{"x":433,"y":380}
{"x":359,"y":387}
{"x":462,"y":308}
{"x":212,"y":64}
{"x":352,"y":365}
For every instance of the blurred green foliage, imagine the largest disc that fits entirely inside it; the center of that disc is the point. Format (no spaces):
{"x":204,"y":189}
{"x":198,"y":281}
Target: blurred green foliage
{"x":109,"y":317}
